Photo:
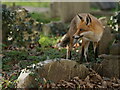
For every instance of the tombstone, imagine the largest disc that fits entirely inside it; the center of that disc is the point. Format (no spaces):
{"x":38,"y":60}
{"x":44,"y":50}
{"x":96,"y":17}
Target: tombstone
{"x":68,"y":10}
{"x":105,"y":41}
{"x":53,"y":71}
{"x":54,"y":27}
{"x":0,"y":24}
{"x":0,"y":36}
{"x":3,"y":6}
{"x":109,"y":67}
{"x":106,"y":5}
{"x":46,"y":29}
{"x":115,"y":47}
{"x":54,"y":6}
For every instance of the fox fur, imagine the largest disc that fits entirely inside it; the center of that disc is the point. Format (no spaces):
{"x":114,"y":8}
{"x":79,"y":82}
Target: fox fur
{"x":88,"y":28}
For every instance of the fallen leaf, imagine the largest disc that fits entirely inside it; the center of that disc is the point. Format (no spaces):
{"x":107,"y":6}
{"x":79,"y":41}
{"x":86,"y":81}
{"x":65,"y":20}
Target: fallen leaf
{"x":104,"y":84}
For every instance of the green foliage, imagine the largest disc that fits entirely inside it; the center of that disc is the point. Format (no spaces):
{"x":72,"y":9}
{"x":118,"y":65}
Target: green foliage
{"x":9,"y":82}
{"x":18,"y":55}
{"x":42,"y":17}
{"x":54,"y":53}
{"x":33,"y":4}
{"x":33,"y":56}
{"x":114,"y":21}
{"x":15,"y":57}
{"x":47,"y":41}
{"x":11,"y":58}
{"x":20,"y":27}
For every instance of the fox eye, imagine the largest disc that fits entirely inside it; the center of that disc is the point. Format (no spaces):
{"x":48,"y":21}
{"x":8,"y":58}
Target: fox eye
{"x":81,"y":29}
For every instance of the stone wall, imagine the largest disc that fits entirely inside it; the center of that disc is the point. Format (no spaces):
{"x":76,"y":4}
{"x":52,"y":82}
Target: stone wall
{"x":109,"y":67}
{"x":106,"y":41}
{"x":67,"y":10}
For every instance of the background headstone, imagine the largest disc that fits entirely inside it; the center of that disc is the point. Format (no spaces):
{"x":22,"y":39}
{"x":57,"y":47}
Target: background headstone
{"x":109,"y":67}
{"x":115,"y":49}
{"x":105,"y":41}
{"x":54,"y":9}
{"x":67,"y":10}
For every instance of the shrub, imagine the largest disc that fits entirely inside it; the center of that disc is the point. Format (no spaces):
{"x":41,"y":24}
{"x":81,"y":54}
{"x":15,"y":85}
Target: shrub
{"x":18,"y":27}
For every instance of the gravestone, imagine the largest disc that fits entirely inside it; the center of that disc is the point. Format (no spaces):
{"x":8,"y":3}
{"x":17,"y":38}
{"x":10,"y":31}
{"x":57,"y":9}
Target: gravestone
{"x":70,"y":9}
{"x":109,"y":67}
{"x":115,"y":49}
{"x":53,"y":71}
{"x":54,"y":9}
{"x":67,"y":10}
{"x":105,"y":41}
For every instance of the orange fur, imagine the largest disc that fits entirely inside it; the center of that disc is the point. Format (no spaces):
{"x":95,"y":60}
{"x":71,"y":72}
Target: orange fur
{"x":87,"y":27}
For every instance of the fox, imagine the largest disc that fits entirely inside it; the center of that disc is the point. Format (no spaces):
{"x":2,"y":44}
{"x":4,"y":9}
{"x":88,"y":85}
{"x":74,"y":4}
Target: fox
{"x":86,"y":27}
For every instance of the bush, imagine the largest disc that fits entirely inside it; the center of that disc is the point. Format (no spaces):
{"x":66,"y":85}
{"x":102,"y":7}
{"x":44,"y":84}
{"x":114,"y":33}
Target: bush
{"x":115,"y":20}
{"x":42,"y":17}
{"x":18,"y":27}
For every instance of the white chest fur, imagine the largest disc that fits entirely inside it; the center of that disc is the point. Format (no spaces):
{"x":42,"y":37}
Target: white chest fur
{"x":91,"y":36}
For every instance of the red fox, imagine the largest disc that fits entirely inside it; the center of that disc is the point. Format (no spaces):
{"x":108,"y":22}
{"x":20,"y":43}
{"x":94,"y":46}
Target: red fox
{"x":88,"y":28}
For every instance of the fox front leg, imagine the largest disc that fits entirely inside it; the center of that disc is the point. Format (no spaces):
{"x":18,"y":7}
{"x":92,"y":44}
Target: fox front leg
{"x":82,"y":54}
{"x":95,"y":46}
{"x":69,"y":49}
{"x":84,"y":51}
{"x":68,"y":56}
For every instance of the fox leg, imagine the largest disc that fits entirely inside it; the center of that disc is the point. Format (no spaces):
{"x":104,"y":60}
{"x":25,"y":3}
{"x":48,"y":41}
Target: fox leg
{"x":95,"y":46}
{"x":84,"y":52}
{"x":69,"y":49}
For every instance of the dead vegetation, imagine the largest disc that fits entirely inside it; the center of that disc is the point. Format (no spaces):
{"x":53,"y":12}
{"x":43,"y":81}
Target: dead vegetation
{"x":93,"y":80}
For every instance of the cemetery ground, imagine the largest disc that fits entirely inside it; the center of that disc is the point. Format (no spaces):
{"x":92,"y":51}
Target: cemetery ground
{"x":19,"y":55}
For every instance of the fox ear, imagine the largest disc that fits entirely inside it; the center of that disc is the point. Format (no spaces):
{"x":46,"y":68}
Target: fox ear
{"x":80,"y":17}
{"x":88,"y":20}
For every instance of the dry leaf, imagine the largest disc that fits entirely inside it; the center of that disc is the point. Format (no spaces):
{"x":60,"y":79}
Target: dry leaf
{"x":87,"y":79}
{"x":89,"y":85}
{"x":116,"y":85}
{"x":104,"y":84}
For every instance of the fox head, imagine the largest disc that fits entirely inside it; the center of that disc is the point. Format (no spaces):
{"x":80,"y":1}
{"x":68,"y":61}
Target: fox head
{"x":84,"y":27}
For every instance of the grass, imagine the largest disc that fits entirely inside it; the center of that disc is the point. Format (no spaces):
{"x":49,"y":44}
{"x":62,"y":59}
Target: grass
{"x":42,"y":17}
{"x":33,"y":4}
{"x":27,"y":57}
{"x":24,"y":58}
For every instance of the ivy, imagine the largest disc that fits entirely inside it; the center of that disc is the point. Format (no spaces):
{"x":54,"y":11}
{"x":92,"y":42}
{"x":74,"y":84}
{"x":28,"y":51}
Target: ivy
{"x":19,"y":28}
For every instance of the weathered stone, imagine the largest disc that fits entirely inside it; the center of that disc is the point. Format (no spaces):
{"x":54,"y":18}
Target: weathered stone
{"x":109,"y":67}
{"x":0,"y":37}
{"x":68,"y":10}
{"x":3,"y":6}
{"x":102,"y":13}
{"x":46,"y":29}
{"x":117,"y":36}
{"x":115,"y":49}
{"x":25,"y":80}
{"x":103,"y":5}
{"x":105,"y":41}
{"x":54,"y":71}
{"x":54,"y":9}
{"x":54,"y":28}
{"x":106,"y":5}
